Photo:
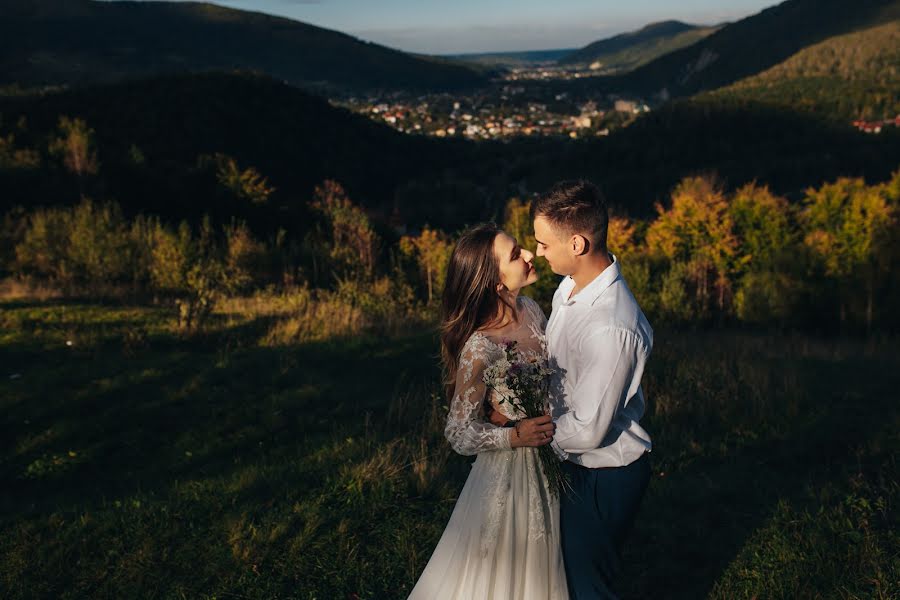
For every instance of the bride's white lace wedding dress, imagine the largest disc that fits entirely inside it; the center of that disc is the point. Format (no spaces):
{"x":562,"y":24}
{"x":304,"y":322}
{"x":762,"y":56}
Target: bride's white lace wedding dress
{"x":502,"y":541}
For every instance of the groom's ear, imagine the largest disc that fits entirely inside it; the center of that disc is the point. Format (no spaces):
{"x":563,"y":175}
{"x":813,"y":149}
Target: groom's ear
{"x":579,"y":244}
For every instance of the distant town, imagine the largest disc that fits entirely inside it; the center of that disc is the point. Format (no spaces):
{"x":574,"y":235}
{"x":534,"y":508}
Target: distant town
{"x":516,"y":107}
{"x":876,"y":126}
{"x":509,"y":109}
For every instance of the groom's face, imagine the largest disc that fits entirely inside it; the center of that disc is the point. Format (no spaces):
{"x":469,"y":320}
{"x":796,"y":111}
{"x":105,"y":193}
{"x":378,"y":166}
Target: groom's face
{"x":554,"y":247}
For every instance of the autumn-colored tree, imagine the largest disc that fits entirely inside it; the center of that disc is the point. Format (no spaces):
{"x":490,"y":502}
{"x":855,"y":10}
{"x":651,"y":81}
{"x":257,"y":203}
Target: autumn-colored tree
{"x":350,"y":244}
{"x":620,"y":237}
{"x":99,"y":244}
{"x":244,"y":255}
{"x":847,"y":226}
{"x":246,"y":184}
{"x":697,"y":232}
{"x":768,"y":262}
{"x":762,"y":225}
{"x":44,"y":245}
{"x":77,"y":148}
{"x":889,"y":255}
{"x":892,"y":189}
{"x":431,"y":250}
{"x":13,"y":157}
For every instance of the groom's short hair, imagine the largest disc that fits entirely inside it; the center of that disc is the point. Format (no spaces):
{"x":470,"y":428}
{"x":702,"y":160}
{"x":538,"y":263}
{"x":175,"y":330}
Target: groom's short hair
{"x":575,"y":207}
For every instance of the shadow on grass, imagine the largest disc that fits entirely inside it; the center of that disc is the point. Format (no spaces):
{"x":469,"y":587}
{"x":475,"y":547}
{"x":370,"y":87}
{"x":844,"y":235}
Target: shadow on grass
{"x":179,"y":410}
{"x":699,"y":515}
{"x":246,"y":439}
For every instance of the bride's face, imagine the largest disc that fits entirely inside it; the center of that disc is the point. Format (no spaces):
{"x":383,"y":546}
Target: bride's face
{"x":516,"y":263}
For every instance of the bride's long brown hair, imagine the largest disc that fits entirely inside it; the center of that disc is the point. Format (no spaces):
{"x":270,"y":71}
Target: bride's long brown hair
{"x":470,"y":298}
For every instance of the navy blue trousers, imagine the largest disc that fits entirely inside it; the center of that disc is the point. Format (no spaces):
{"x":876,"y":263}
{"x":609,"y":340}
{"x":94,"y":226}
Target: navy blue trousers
{"x":595,"y":518}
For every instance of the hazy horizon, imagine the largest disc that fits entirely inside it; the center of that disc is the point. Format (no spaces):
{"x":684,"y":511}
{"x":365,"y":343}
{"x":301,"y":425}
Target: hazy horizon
{"x":493,"y":26}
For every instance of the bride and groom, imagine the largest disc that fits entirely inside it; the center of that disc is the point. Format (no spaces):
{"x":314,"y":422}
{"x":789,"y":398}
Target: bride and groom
{"x":509,"y":535}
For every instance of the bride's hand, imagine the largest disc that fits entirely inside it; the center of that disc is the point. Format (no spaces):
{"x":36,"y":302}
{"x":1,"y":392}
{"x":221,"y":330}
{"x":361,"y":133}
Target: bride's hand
{"x":533,"y":432}
{"x":495,"y":417}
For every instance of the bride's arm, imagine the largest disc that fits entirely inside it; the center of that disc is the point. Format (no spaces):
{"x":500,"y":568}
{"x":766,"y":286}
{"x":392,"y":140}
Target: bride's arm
{"x":467,"y":430}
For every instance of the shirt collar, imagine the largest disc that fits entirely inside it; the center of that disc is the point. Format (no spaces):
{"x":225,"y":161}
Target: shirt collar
{"x":592,"y":291}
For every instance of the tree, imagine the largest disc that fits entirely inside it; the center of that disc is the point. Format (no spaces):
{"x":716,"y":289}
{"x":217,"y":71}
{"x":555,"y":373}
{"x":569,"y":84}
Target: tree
{"x":350,"y":244}
{"x":245,"y":256}
{"x":77,"y":148}
{"x":697,"y":231}
{"x":170,"y":257}
{"x":431,"y":250}
{"x":762,"y":226}
{"x":620,"y":236}
{"x":847,"y":226}
{"x":768,"y":260}
{"x":246,"y":184}
{"x":12,"y":157}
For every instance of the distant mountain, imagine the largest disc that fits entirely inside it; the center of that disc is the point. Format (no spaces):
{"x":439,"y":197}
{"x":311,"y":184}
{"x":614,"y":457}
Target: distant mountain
{"x":512,"y":59}
{"x":84,"y":41}
{"x":754,"y":44}
{"x":851,"y":76}
{"x":628,"y":51}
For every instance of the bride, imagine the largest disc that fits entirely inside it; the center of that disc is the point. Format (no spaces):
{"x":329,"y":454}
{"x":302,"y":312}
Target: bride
{"x":502,"y":540}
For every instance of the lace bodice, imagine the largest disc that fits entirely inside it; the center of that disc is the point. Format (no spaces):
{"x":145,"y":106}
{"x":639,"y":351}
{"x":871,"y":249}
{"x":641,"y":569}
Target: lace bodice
{"x":467,"y":429}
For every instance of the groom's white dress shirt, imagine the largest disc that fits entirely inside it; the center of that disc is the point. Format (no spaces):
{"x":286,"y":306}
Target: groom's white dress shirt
{"x":600,"y":342}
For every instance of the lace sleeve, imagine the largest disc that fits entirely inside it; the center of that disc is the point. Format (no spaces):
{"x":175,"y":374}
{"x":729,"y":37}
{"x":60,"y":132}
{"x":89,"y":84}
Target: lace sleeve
{"x":467,"y":430}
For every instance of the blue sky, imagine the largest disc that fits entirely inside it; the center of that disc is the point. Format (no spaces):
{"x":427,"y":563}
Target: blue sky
{"x":457,"y":26}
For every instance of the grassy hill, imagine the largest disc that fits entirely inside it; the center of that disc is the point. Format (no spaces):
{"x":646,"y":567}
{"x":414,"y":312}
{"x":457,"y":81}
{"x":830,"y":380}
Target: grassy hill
{"x":755,"y":44}
{"x":630,"y":50}
{"x":140,"y":464}
{"x":84,"y":41}
{"x":856,"y":75}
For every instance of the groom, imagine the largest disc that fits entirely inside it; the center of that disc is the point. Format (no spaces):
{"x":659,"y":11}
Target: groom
{"x":600,"y":342}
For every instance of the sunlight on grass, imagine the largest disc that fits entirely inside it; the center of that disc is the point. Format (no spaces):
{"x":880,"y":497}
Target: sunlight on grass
{"x":219,"y":465}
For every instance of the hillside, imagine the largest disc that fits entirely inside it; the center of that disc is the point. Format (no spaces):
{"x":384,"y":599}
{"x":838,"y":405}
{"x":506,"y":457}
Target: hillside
{"x":152,"y":137}
{"x":856,"y":75}
{"x":754,"y":44}
{"x":628,"y":51}
{"x":84,"y":41}
{"x":293,"y":138}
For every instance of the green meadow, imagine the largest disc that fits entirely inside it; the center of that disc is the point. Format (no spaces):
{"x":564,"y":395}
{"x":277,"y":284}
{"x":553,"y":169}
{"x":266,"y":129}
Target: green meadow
{"x":138,"y":461}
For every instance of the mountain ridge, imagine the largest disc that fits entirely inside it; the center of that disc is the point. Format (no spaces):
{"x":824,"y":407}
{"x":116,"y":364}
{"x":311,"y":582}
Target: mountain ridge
{"x":627,"y":51}
{"x":77,"y":42}
{"x":850,"y":76}
{"x":753,"y":44}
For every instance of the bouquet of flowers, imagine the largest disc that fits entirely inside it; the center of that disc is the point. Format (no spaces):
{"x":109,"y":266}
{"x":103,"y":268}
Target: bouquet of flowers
{"x":523,"y":382}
